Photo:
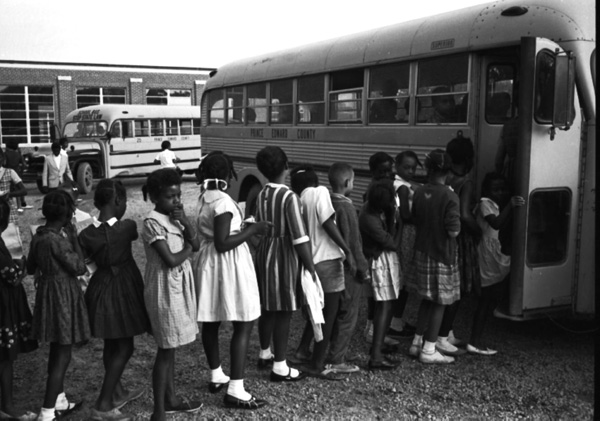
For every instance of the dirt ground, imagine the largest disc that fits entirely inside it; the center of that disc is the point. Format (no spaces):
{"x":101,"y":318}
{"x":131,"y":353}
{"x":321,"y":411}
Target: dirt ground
{"x":544,"y":368}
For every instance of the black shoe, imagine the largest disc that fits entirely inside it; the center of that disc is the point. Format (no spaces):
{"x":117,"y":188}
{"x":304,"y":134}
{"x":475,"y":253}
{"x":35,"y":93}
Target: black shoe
{"x":264,"y":363}
{"x":383,"y":365}
{"x":216,"y":387}
{"x":252,"y":403}
{"x":400,"y":334}
{"x":279,"y":378}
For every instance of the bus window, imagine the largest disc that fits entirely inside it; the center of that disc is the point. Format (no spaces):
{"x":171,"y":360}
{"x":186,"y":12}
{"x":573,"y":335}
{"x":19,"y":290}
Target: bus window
{"x":256,"y":105}
{"x":544,"y":87}
{"x":345,"y":97}
{"x":311,"y":100}
{"x":115,"y":130}
{"x":499,"y":99}
{"x":548,"y":226}
{"x":141,"y":128}
{"x":172,"y":129}
{"x":235,"y":102}
{"x":281,"y":102}
{"x":196,"y":123}
{"x":216,"y":107}
{"x":156,"y":128}
{"x":127,"y":126}
{"x":388,"y":93}
{"x":442,"y":90}
{"x":185,"y":127}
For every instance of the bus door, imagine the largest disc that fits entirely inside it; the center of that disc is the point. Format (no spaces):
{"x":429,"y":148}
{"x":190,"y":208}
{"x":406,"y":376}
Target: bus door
{"x":546,"y":173}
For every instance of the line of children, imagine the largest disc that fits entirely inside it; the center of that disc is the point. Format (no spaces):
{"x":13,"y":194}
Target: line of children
{"x":119,"y":303}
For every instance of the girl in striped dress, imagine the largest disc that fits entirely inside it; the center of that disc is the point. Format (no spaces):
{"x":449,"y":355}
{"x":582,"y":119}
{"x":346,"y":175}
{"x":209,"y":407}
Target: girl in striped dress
{"x":278,"y":258}
{"x":435,"y":271}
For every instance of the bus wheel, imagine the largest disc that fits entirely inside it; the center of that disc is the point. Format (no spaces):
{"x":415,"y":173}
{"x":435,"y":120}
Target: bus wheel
{"x":85,"y":177}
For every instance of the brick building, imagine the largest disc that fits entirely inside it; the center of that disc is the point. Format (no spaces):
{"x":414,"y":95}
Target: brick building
{"x":35,"y":95}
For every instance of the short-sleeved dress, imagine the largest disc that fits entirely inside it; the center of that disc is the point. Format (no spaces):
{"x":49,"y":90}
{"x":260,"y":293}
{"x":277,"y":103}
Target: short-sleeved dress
{"x":15,"y":315}
{"x":225,"y":282}
{"x":60,"y":314}
{"x":9,"y":177}
{"x":493,"y":265}
{"x":115,"y":295}
{"x":277,"y":263}
{"x":169,"y":293}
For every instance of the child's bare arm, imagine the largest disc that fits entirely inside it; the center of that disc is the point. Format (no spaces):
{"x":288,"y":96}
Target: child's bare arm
{"x":497,"y":222}
{"x":332,"y":230}
{"x":172,"y":259}
{"x":189,"y":233}
{"x":305,"y":254}
{"x":403,"y":193}
{"x":225,"y":241}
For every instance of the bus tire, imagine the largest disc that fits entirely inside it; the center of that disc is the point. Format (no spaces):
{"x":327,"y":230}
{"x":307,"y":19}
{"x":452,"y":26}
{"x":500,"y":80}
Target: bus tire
{"x":85,"y":177}
{"x":251,"y":200}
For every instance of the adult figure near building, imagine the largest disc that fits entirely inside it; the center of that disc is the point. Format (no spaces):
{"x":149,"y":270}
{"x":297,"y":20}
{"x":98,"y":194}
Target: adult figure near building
{"x":56,"y":167}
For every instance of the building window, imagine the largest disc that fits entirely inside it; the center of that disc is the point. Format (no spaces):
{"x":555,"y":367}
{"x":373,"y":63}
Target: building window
{"x":95,"y":96}
{"x":158,"y":96}
{"x":26,"y":113}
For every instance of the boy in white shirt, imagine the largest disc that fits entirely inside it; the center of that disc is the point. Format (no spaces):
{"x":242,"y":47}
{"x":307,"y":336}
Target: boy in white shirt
{"x":329,"y":251}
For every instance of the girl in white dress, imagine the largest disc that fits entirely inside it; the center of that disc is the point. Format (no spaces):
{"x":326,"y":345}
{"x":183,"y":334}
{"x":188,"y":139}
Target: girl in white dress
{"x":225,"y":278}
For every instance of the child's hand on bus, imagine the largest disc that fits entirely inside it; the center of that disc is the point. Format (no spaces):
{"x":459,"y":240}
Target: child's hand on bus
{"x":517,"y":201}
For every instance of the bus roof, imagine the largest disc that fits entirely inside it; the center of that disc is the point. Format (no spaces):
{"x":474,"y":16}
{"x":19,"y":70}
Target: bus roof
{"x":473,"y":28}
{"x":111,"y":112}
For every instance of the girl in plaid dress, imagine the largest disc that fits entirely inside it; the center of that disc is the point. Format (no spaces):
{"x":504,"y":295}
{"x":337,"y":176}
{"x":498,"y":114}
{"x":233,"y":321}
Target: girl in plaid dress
{"x":169,"y":293}
{"x":278,"y":259}
{"x":435,"y":271}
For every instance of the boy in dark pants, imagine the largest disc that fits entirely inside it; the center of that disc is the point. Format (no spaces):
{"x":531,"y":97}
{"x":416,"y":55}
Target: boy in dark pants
{"x":341,"y":179}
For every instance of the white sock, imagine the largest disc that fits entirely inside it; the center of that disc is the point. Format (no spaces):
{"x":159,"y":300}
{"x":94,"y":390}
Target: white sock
{"x":265,"y":354}
{"x":46,"y":414}
{"x":281,"y":368}
{"x":217,"y":376}
{"x":429,"y":347}
{"x":236,"y":389}
{"x":418,"y":340}
{"x":397,"y":323}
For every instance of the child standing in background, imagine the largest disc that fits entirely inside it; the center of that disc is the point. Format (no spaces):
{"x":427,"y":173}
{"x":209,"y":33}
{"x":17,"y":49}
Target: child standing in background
{"x":435,"y":272}
{"x":381,"y":166}
{"x":225,"y":278}
{"x":329,"y":251}
{"x":462,"y":154}
{"x":16,"y":162}
{"x":167,"y":158}
{"x":169,"y":293}
{"x":406,"y":165}
{"x":115,"y":295}
{"x":11,"y":185}
{"x":279,"y":256}
{"x":493,"y":265}
{"x":341,"y":179}
{"x":380,"y":231}
{"x":60,"y":315}
{"x":15,"y":322}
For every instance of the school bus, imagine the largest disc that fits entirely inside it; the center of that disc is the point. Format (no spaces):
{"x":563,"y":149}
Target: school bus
{"x":122,"y":140}
{"x":529,"y":63}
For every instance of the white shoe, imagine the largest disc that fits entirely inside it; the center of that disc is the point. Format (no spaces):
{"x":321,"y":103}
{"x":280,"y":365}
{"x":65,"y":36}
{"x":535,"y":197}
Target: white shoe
{"x":435,"y":358}
{"x":20,"y":210}
{"x":27,"y":207}
{"x":445,"y":347}
{"x":478,"y":351}
{"x":454,"y":340}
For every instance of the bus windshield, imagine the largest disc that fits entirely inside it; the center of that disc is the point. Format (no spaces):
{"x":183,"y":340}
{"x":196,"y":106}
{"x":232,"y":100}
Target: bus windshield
{"x":85,"y":129}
